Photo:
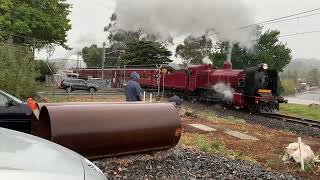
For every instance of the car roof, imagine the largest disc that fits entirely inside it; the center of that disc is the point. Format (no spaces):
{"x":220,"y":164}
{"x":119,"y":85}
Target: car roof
{"x":29,"y":157}
{"x":10,"y":96}
{"x":74,"y":80}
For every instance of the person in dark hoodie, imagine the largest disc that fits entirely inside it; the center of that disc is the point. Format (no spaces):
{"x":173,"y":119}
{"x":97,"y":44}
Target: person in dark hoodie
{"x":133,"y":89}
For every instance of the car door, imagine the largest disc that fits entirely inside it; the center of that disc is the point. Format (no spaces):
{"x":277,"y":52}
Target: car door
{"x":3,"y":110}
{"x":76,"y":84}
{"x":83,"y":85}
{"x":12,"y":116}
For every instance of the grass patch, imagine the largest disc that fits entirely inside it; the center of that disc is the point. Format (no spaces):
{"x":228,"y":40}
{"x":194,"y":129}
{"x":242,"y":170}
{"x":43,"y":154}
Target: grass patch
{"x":211,"y":116}
{"x":214,"y":146}
{"x":301,"y":111}
{"x":208,"y":115}
{"x":309,"y":166}
{"x":236,"y":120}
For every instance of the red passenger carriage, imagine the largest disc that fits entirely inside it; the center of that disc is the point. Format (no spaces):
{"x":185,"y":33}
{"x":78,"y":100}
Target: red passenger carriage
{"x":253,"y":88}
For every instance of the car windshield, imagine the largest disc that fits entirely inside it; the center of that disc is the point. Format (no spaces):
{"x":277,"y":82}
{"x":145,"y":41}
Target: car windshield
{"x":11,"y":97}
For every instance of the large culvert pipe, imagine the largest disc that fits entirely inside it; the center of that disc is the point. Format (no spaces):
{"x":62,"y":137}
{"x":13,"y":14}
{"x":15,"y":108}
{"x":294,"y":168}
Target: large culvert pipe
{"x":96,"y":130}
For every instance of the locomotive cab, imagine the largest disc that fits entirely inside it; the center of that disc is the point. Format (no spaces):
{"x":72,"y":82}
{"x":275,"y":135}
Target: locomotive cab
{"x":261,"y":89}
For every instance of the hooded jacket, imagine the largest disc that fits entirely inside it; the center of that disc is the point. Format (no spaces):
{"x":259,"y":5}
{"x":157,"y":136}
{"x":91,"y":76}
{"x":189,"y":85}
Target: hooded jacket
{"x":133,"y":89}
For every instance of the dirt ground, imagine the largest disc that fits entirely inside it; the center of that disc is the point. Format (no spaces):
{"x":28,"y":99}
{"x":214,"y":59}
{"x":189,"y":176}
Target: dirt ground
{"x":267,"y":151}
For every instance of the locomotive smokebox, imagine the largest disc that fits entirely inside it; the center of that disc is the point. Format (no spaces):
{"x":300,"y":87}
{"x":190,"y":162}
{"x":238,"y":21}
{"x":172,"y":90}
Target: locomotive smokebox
{"x":227,"y":65}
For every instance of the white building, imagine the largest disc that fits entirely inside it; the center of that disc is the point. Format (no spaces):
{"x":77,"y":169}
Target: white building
{"x":71,"y":62}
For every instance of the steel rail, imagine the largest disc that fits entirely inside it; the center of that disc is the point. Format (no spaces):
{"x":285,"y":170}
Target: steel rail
{"x":297,"y":120}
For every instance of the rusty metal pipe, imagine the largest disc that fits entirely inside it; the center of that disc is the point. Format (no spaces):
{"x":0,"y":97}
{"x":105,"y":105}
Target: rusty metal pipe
{"x":96,"y":130}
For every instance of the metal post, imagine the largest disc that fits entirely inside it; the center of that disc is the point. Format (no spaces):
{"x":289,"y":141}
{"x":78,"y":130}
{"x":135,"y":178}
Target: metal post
{"x":158,"y":81}
{"x":78,"y":62}
{"x":150,"y":97}
{"x":144,"y":95}
{"x":164,"y":75}
{"x":124,"y":75}
{"x":34,"y":48}
{"x":103,"y":59}
{"x":301,"y":153}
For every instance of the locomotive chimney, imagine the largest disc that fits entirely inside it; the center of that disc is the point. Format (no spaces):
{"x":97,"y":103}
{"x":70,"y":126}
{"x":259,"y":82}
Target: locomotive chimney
{"x":227,"y":65}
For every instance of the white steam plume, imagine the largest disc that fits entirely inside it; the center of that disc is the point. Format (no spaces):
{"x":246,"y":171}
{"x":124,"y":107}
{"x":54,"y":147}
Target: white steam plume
{"x":184,"y":17}
{"x":224,"y":90}
{"x":206,"y":60}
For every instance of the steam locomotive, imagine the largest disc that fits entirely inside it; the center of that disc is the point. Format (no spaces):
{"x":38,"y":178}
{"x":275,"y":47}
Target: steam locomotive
{"x":255,"y":88}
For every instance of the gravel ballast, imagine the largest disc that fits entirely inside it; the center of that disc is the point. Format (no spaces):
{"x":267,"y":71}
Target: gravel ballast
{"x":271,"y":123}
{"x":256,"y":119}
{"x":182,"y":163}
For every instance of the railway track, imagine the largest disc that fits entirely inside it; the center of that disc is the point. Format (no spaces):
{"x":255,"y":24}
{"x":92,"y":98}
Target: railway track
{"x":303,"y":121}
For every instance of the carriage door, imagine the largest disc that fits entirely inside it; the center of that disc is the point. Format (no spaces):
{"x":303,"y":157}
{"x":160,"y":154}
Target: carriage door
{"x":192,"y":79}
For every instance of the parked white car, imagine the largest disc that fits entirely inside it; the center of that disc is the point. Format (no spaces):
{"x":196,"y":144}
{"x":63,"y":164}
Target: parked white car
{"x":27,"y":157}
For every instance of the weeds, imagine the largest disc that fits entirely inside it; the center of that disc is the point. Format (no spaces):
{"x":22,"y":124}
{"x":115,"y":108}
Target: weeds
{"x":214,"y":146}
{"x":309,"y":166}
{"x":208,"y":115}
{"x":203,"y":145}
{"x":211,"y":116}
{"x":236,"y":120}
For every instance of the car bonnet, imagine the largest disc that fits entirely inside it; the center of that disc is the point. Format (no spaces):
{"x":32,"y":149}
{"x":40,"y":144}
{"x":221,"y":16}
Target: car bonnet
{"x":30,"y":157}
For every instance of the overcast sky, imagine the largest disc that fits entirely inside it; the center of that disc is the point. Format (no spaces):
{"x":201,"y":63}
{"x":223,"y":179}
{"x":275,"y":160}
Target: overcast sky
{"x":88,"y":19}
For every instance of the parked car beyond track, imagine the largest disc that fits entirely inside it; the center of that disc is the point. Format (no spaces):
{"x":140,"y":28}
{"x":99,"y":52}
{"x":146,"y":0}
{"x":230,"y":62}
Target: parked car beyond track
{"x":78,"y":84}
{"x":28,"y":157}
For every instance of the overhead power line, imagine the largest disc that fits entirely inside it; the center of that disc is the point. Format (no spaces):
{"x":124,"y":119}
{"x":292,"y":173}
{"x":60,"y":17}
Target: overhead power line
{"x":302,"y":33}
{"x":279,"y":18}
{"x":300,"y":17}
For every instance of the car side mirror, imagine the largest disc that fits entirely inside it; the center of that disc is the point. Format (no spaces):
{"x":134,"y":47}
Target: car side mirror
{"x":10,"y":103}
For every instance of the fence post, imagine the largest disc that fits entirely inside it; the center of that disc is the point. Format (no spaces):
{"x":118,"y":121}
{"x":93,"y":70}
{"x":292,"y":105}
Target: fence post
{"x":144,"y":96}
{"x":150,"y":97}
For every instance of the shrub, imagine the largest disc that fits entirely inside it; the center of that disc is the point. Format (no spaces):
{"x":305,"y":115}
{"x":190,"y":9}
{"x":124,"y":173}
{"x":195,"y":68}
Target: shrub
{"x":17,"y":72}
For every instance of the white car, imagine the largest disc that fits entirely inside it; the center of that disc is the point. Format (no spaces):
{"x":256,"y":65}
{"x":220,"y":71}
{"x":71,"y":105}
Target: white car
{"x":27,"y":157}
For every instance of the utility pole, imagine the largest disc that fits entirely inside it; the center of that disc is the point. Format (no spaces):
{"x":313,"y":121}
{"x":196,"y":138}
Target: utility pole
{"x":103,"y":59}
{"x":34,"y":48}
{"x":78,"y":54}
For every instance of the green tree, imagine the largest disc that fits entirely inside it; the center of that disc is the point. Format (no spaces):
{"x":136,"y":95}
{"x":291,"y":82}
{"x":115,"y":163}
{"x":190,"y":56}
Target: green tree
{"x":271,"y":51}
{"x":240,"y":56}
{"x":44,"y":68}
{"x":92,"y":56}
{"x":17,"y":72}
{"x":120,"y":38}
{"x":145,"y":52}
{"x":194,"y":49}
{"x":43,"y":20}
{"x":267,"y":50}
{"x":313,"y":77}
